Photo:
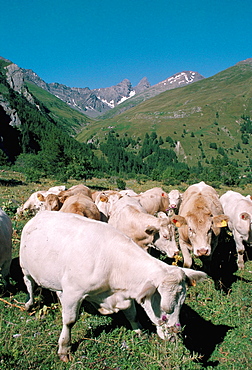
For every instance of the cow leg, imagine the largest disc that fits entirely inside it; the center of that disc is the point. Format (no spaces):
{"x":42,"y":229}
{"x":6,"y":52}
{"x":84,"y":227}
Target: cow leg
{"x":5,"y":271}
{"x":239,"y":248}
{"x":186,"y":253}
{"x":29,"y":282}
{"x":70,"y":310}
{"x":240,"y":255}
{"x":131,"y":315}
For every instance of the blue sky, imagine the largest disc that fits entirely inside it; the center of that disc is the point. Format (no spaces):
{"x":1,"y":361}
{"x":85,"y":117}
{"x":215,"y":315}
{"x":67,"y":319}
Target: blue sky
{"x":99,"y":43}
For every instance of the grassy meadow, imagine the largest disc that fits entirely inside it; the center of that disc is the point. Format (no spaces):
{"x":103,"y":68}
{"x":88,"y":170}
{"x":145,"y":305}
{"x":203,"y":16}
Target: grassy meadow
{"x":216,"y":317}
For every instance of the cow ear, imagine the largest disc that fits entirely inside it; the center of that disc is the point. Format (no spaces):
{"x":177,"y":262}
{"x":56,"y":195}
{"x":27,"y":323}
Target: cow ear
{"x":151,"y":230}
{"x":147,"y":291}
{"x":103,"y":198}
{"x":178,"y":221}
{"x":40,"y":197}
{"x":193,"y":276}
{"x":219,"y":221}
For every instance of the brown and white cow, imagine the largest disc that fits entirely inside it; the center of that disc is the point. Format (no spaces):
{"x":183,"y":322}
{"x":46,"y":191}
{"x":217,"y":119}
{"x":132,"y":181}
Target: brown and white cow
{"x":5,"y":245}
{"x":130,"y":217}
{"x":76,"y":189}
{"x":82,"y":205}
{"x":36,"y":200}
{"x":239,"y":210}
{"x":203,"y":217}
{"x":154,"y":200}
{"x":79,"y":259}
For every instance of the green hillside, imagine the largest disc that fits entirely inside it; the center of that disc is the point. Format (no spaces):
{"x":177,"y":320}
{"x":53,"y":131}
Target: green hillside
{"x":199,"y":115}
{"x":69,"y":118}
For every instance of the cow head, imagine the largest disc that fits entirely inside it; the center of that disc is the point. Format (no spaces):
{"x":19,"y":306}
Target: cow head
{"x":202,"y":230}
{"x":165,"y":240}
{"x":162,"y":303}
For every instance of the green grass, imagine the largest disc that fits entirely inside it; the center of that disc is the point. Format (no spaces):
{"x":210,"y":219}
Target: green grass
{"x":68,"y":117}
{"x":217,"y":326}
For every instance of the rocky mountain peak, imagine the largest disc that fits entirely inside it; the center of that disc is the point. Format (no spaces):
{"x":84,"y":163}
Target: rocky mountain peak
{"x":96,"y":102}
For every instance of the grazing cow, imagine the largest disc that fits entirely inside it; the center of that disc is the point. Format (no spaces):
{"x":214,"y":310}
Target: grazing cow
{"x":36,"y":201}
{"x":130,"y":217}
{"x":80,"y":188}
{"x":104,"y":201}
{"x":82,"y":259}
{"x":5,"y":245}
{"x":203,"y":217}
{"x":154,"y":200}
{"x":175,"y":199}
{"x":82,"y":205}
{"x":239,"y":210}
{"x":167,"y":243}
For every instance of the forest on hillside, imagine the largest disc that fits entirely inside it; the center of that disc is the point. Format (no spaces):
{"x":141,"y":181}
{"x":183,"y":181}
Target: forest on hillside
{"x":40,"y":147}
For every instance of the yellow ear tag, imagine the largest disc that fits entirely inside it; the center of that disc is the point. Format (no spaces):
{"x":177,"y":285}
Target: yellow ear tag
{"x":223,"y":223}
{"x":177,"y":223}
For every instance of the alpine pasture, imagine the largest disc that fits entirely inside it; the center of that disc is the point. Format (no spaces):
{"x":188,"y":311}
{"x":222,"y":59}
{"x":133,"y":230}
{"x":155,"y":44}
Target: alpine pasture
{"x":216,"y":318}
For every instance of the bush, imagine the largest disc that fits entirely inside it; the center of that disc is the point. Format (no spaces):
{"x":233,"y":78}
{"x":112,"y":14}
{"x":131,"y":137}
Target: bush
{"x":121,"y":184}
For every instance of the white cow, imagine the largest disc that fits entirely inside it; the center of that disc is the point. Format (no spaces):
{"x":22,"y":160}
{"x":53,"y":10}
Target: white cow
{"x":167,"y":243}
{"x":153,"y":200}
{"x":37,"y":199}
{"x":104,"y":201}
{"x":175,"y":199}
{"x":5,"y":245}
{"x":130,"y":217}
{"x":87,"y":259}
{"x":239,"y":210}
{"x":129,"y":192}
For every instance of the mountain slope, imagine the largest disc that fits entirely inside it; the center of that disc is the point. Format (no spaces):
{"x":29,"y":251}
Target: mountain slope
{"x":197,"y":115}
{"x":177,"y":80}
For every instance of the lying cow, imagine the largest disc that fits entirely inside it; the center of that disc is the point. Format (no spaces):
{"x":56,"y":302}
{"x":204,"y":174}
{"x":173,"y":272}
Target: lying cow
{"x":202,"y":217}
{"x":239,"y":210}
{"x":53,"y":202}
{"x":5,"y":245}
{"x":82,"y":205}
{"x":82,"y":259}
{"x":130,"y":217}
{"x":80,"y":188}
{"x":36,"y":200}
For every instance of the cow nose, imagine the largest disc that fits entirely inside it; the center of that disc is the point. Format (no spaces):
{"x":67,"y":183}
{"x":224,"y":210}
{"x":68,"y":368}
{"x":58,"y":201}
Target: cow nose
{"x":202,"y":252}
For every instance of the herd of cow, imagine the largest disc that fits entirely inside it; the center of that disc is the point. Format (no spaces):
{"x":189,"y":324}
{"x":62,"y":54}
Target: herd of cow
{"x":94,"y":246}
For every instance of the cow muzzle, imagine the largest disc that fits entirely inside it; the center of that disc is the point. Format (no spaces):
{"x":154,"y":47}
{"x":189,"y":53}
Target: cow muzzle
{"x":202,"y":252}
{"x":167,"y":332}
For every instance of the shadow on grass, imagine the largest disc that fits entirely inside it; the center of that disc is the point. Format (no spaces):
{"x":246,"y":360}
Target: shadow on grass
{"x":201,"y":336}
{"x":224,"y":262}
{"x":11,"y":182}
